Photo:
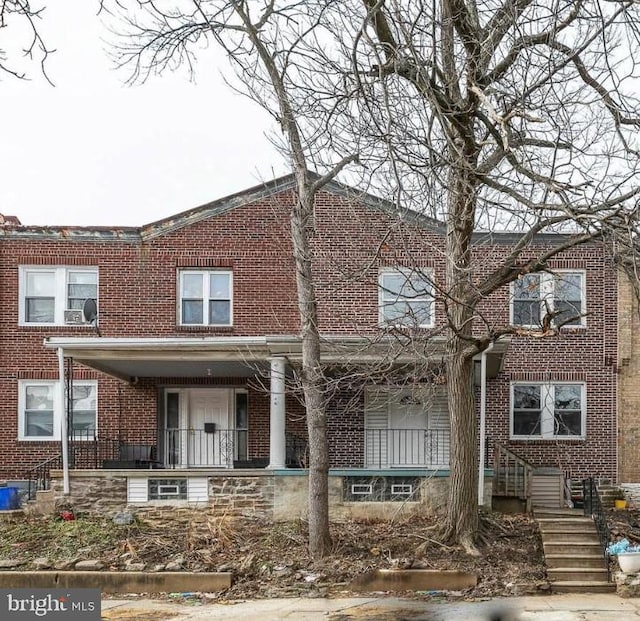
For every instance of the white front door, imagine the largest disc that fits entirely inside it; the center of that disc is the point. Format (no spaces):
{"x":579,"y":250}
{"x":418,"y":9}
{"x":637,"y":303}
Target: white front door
{"x":209,"y":437}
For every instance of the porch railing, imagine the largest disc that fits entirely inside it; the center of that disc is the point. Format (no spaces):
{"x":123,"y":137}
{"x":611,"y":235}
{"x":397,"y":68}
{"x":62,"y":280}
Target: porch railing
{"x":512,"y":475}
{"x":406,"y":447}
{"x":199,"y":448}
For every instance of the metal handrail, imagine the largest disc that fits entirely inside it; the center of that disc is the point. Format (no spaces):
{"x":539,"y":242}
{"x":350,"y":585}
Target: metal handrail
{"x":39,"y":477}
{"x":593,"y":508}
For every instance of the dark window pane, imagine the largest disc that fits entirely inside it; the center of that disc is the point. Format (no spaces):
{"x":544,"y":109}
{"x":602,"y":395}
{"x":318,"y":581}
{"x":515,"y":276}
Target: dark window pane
{"x":570,"y":312}
{"x":40,"y":310}
{"x":526,"y":313}
{"x":568,"y":423}
{"x":192,"y":311}
{"x":526,"y":423}
{"x":39,"y":423}
{"x":173,"y":410}
{"x":219,"y":312}
{"x":526,"y":397}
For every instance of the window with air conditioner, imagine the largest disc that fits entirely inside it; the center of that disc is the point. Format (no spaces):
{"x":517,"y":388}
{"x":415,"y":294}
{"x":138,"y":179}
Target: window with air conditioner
{"x":55,"y":295}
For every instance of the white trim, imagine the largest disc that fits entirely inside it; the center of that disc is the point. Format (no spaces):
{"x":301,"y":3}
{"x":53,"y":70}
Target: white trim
{"x":61,"y":275}
{"x":547,"y":415}
{"x":547,"y":282}
{"x":205,"y":296}
{"x":424,"y":275}
{"x":58,"y":407}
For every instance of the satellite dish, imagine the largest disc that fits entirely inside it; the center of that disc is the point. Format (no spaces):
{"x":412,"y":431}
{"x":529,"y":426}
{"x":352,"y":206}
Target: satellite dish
{"x":90,"y":312}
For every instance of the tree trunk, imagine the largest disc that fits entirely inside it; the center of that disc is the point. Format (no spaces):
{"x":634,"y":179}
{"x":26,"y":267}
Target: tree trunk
{"x":462,"y":507}
{"x":312,"y":377}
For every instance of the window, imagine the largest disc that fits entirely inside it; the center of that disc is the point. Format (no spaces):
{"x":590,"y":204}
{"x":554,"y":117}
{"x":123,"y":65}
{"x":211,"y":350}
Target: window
{"x":561,"y":294}
{"x":405,"y":299}
{"x":206,"y":298}
{"x":40,"y":410}
{"x":547,"y":410}
{"x":167,"y":489}
{"x":48,"y":294}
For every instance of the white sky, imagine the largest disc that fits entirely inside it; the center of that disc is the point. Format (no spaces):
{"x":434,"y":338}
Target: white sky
{"x":92,"y":151}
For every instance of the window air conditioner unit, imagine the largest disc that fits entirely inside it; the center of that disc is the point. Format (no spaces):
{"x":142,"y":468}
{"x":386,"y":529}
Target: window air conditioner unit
{"x":73,"y":317}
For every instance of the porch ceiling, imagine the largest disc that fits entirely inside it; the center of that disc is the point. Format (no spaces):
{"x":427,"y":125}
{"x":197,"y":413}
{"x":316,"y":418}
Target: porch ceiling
{"x":129,"y":358}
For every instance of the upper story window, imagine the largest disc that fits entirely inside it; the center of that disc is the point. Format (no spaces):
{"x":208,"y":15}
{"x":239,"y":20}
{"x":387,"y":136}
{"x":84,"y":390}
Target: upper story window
{"x":547,"y":410}
{"x":561,"y":294}
{"x":405,"y":298}
{"x":206,"y":298}
{"x":55,"y":295}
{"x":40,"y":411}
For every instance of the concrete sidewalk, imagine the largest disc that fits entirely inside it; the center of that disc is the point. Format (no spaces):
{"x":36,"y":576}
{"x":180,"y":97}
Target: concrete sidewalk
{"x":565,"y":607}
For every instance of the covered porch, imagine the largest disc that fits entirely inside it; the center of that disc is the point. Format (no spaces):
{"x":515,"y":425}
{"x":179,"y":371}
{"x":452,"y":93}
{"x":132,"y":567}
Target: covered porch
{"x":203,"y":423}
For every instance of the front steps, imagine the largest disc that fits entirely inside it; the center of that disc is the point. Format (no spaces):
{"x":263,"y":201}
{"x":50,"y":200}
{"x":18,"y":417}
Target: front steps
{"x":572,"y":551}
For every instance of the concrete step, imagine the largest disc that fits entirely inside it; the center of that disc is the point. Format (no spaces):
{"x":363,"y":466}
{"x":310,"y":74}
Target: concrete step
{"x":565,"y":524}
{"x":577,"y":574}
{"x":571,"y":547}
{"x":595,"y":561}
{"x":556,"y":513}
{"x":574,"y":536}
{"x":580,"y":586}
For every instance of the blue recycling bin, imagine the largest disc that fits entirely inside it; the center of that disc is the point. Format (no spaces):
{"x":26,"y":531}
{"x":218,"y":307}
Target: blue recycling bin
{"x":9,"y":498}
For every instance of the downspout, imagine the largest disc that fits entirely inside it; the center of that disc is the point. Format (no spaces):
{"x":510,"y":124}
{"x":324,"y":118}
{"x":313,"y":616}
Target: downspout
{"x":483,"y":422}
{"x":64,"y":436}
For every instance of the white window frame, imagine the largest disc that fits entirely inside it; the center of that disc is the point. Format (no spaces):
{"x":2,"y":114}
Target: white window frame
{"x":58,"y":409}
{"x":61,"y":278}
{"x":407,"y":273}
{"x":547,"y":285}
{"x":205,"y":296}
{"x":547,"y":415}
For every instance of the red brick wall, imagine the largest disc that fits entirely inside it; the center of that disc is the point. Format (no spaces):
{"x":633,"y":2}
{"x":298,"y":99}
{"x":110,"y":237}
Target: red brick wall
{"x":137,"y":295}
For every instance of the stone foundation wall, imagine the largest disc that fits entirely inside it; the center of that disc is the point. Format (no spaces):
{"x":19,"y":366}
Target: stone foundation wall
{"x":268,"y":496}
{"x":248,"y":496}
{"x":97,"y":495}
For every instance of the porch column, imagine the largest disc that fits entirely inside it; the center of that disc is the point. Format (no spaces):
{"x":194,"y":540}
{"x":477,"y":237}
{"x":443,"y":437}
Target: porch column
{"x":277,"y":441}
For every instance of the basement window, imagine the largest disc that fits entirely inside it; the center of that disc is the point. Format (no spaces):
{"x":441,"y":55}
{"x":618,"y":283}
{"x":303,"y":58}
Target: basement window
{"x":381,"y":489}
{"x":167,"y":489}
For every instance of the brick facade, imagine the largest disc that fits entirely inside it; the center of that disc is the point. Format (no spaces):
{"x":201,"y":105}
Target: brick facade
{"x":248,"y":234}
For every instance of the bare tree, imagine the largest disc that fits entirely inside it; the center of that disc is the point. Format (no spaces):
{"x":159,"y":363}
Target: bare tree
{"x":22,"y":38}
{"x":265,"y":51}
{"x":516,"y":115}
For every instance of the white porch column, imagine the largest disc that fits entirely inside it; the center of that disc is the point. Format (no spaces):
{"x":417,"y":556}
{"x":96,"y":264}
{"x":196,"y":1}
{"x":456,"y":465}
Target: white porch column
{"x":277,"y":440}
{"x":64,"y":432}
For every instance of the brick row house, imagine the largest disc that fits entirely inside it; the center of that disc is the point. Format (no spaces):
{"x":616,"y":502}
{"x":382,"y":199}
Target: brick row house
{"x":184,"y":388}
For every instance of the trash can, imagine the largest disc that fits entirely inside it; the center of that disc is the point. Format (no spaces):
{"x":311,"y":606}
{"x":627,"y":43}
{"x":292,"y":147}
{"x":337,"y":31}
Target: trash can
{"x":9,"y":498}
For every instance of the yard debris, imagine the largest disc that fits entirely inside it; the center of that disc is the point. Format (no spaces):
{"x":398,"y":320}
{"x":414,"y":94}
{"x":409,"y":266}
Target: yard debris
{"x":271,"y":559}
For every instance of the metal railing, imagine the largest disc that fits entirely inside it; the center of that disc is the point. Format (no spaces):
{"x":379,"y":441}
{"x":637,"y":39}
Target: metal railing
{"x":406,"y":447}
{"x":197,"y":447}
{"x":511,"y":475}
{"x":593,"y":508}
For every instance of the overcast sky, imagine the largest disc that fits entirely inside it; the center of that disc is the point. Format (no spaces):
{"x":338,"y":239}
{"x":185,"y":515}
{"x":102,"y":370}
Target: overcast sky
{"x":92,"y":151}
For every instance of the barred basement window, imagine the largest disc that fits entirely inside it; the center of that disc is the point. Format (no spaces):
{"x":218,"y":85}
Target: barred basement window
{"x":361,"y":490}
{"x":167,"y":489}
{"x":402,"y":489}
{"x":381,"y":489}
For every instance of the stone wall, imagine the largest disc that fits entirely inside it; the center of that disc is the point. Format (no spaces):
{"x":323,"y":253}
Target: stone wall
{"x":245,"y":495}
{"x":268,"y":496}
{"x":95,"y":493}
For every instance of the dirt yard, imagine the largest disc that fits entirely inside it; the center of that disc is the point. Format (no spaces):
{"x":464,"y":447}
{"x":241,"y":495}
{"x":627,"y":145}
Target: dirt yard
{"x":270,"y":560}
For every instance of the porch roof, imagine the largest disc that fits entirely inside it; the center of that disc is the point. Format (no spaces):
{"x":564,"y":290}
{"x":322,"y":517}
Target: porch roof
{"x":240,"y":356}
